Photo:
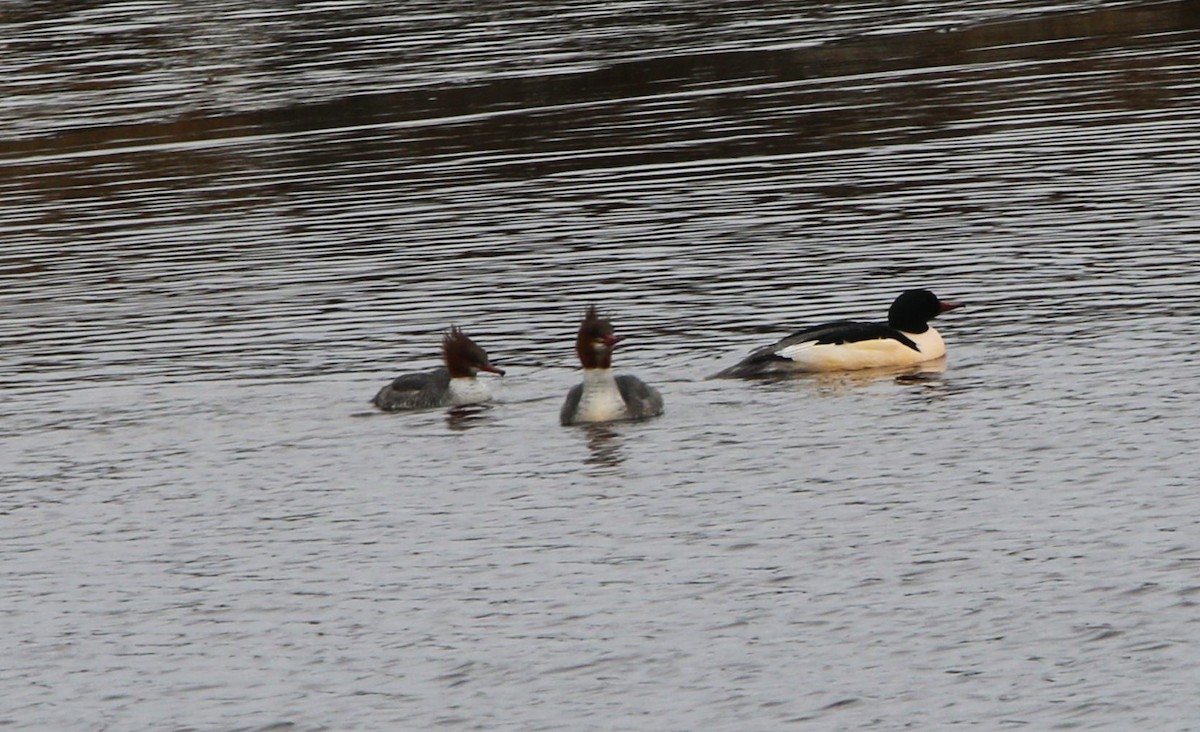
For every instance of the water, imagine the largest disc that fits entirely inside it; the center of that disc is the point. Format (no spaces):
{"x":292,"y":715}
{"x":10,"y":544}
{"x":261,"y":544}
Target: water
{"x":224,"y":229}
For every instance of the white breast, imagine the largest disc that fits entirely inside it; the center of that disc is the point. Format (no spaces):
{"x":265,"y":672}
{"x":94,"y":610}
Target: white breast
{"x":601,"y":399}
{"x":468,"y":390}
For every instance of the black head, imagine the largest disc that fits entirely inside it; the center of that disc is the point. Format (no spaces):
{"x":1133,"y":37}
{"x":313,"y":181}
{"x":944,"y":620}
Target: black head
{"x":912,"y":311}
{"x":595,"y":341}
{"x":463,"y":356}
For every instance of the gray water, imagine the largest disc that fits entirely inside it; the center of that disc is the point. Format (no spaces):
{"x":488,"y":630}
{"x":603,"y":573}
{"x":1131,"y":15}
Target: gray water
{"x":222,"y":229}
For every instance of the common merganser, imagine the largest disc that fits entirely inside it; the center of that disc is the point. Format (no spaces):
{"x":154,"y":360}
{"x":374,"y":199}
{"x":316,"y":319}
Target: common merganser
{"x":905,"y":340}
{"x":603,"y":397}
{"x":445,"y":386}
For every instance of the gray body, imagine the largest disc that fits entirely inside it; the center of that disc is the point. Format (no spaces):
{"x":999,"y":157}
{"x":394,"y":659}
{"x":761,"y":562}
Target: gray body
{"x":422,"y":390}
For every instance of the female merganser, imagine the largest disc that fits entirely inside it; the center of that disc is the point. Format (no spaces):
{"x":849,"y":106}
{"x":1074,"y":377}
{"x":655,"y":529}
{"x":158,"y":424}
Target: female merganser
{"x":445,"y":386}
{"x":906,"y":339}
{"x":603,"y":397}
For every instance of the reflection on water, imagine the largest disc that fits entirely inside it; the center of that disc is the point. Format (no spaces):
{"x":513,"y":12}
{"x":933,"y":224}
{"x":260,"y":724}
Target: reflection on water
{"x":467,"y":416}
{"x":224,"y":226}
{"x":604,"y":446}
{"x":104,"y":64}
{"x":926,"y":374}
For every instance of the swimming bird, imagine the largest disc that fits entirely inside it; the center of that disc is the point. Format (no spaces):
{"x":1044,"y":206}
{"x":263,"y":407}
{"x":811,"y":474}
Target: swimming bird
{"x":445,"y":386}
{"x":905,"y":339}
{"x":603,"y":397}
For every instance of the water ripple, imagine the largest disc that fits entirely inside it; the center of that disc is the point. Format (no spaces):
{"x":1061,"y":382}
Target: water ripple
{"x":224,"y":227}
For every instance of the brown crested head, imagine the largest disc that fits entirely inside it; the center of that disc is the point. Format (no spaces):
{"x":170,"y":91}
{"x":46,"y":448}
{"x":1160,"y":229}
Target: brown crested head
{"x":463,"y":356}
{"x":595,"y":341}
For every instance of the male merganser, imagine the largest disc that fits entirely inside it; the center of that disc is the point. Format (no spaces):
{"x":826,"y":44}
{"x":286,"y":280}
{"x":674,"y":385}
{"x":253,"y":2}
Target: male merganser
{"x":905,"y":340}
{"x":445,"y":386}
{"x":603,"y":397}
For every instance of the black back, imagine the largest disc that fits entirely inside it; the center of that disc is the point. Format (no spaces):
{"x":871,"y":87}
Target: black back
{"x":767,"y":360}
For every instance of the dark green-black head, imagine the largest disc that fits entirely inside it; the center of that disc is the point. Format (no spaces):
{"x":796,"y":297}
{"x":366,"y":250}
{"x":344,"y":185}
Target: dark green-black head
{"x":913,"y":309}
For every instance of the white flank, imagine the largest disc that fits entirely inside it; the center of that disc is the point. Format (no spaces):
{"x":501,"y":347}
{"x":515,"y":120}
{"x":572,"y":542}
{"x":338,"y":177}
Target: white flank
{"x":877,"y":353}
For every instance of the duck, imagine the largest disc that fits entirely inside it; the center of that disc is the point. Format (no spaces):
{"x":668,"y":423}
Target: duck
{"x":453,"y":384}
{"x":906,"y":339}
{"x":603,"y":396}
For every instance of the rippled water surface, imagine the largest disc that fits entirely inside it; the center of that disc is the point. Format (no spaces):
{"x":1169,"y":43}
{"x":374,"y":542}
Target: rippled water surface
{"x":222,"y":228}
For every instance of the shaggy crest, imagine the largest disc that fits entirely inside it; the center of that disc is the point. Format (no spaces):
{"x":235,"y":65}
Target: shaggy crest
{"x":463,"y":356}
{"x":594,"y":344}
